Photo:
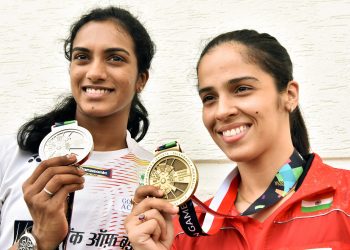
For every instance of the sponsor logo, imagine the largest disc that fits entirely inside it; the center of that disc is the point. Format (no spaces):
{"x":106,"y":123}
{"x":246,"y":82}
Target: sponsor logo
{"x":96,"y":171}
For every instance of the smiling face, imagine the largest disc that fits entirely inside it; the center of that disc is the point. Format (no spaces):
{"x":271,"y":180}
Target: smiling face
{"x":103,"y":71}
{"x":242,"y":109}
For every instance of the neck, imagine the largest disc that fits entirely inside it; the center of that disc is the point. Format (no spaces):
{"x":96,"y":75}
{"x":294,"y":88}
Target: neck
{"x":108,"y":133}
{"x":257,"y":174}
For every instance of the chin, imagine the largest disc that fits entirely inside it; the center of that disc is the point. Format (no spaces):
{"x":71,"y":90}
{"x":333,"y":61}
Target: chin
{"x":239,"y":154}
{"x":96,"y":113}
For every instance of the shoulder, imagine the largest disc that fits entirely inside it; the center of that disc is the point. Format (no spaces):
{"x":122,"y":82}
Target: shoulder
{"x":12,"y":158}
{"x":8,"y":140}
{"x":10,"y":149}
{"x":8,"y":145}
{"x":324,"y":176}
{"x":327,"y":169}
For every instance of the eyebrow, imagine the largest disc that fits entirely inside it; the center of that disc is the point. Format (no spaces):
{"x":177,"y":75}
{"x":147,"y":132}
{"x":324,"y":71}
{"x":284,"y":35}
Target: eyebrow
{"x":229,"y":82}
{"x":109,"y":50}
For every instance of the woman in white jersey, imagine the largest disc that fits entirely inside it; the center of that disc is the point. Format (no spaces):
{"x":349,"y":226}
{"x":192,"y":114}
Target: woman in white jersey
{"x":110,"y":53}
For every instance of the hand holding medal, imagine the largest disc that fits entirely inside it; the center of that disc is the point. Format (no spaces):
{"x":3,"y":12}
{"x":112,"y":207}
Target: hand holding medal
{"x":54,"y":181}
{"x":176,"y":175}
{"x":173,"y":177}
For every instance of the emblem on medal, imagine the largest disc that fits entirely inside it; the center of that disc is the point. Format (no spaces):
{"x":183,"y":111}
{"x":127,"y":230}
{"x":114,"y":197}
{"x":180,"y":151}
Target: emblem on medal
{"x":174,"y":173}
{"x":67,"y":139}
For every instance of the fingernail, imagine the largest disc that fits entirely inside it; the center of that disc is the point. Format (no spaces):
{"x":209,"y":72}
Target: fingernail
{"x":69,"y":156}
{"x":81,"y":170}
{"x":160,"y":192}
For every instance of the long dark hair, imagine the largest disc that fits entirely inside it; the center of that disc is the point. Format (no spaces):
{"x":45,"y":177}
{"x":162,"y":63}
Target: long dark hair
{"x":265,"y":51}
{"x":31,"y":133}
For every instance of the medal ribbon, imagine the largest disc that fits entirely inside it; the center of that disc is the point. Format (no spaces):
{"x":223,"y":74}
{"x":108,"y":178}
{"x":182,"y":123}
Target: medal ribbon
{"x":73,"y":123}
{"x":219,"y":208}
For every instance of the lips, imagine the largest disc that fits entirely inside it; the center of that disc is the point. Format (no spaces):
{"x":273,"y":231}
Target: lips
{"x":235,"y":131}
{"x":97,"y":91}
{"x":93,"y":89}
{"x":232,"y":133}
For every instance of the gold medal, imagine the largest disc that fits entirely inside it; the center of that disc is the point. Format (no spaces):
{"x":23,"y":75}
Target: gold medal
{"x":175,"y":174}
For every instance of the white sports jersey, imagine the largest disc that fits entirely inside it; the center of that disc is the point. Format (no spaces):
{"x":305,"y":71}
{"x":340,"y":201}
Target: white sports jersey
{"x":99,"y":209}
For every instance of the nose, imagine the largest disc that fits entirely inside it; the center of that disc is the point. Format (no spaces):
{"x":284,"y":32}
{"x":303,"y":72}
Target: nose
{"x":96,"y":71}
{"x":226,"y":108}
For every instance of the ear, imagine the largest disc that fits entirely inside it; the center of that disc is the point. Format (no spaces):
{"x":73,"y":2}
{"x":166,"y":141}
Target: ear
{"x":292,"y":96}
{"x":141,"y":81}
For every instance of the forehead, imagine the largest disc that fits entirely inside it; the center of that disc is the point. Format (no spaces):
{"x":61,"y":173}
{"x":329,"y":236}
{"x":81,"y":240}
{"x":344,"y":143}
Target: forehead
{"x":225,"y":52}
{"x":108,"y":33}
{"x":223,"y":59}
{"x":226,"y":62}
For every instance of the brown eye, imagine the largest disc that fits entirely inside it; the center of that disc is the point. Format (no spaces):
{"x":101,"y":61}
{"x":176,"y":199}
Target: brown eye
{"x":207,"y":98}
{"x":241,"y":89}
{"x":116,"y":58}
{"x":80,"y":57}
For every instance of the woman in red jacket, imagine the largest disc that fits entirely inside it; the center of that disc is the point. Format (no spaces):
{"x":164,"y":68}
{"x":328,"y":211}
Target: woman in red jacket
{"x":280,"y":196}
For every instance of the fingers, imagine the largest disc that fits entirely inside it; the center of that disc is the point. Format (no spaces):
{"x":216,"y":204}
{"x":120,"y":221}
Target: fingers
{"x":151,"y":218}
{"x":170,"y":229}
{"x":53,"y":177}
{"x":54,"y":171}
{"x":56,"y":161}
{"x":64,"y":191}
{"x":153,"y":209}
{"x":52,"y":180}
{"x":150,"y":227}
{"x":143,"y":192}
{"x":159,"y":204}
{"x":57,"y":182}
{"x":155,"y":216}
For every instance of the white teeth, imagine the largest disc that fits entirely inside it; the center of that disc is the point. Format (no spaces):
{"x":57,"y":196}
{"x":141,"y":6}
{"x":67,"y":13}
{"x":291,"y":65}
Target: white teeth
{"x":235,"y":131}
{"x":97,"y":91}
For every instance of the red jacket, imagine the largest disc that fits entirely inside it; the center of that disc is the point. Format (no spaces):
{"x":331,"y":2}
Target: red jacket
{"x":317,"y":215}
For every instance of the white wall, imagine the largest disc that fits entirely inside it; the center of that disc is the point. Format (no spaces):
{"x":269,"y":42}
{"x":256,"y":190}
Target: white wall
{"x":33,"y":71}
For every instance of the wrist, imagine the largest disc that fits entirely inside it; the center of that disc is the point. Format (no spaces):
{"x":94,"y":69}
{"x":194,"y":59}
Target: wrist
{"x":43,"y":243}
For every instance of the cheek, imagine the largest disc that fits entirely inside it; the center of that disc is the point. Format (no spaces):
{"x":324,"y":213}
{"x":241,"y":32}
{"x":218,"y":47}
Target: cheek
{"x":207,"y":117}
{"x":126,"y":80}
{"x":75,"y":77}
{"x":258,"y":107}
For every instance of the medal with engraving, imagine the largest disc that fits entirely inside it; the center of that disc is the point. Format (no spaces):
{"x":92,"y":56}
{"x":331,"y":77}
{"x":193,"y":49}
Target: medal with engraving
{"x":67,"y":138}
{"x":175,"y":174}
